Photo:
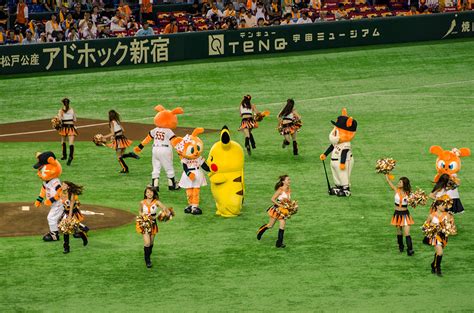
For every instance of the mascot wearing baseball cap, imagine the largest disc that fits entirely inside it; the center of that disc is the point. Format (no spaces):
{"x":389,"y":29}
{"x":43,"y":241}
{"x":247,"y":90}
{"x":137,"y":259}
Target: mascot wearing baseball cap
{"x":49,"y":170}
{"x":341,"y":153}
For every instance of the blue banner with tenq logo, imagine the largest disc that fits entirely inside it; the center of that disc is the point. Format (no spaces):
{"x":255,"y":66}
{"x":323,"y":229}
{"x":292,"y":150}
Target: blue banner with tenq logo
{"x":199,"y":45}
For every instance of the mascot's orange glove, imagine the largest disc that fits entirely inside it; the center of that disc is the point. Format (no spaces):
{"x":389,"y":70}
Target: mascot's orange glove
{"x":322,"y":157}
{"x":47,"y":202}
{"x":192,"y":176}
{"x":37,"y":203}
{"x":342,"y":166}
{"x":137,"y":150}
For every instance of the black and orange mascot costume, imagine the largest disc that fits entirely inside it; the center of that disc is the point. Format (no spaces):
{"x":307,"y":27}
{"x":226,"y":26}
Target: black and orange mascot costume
{"x":342,"y":160}
{"x":49,"y":170}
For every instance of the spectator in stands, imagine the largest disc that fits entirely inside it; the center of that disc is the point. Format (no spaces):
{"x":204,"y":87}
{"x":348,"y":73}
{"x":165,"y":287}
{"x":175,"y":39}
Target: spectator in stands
{"x":89,"y":32}
{"x":63,"y":12}
{"x":214,"y":11}
{"x":276,"y":22}
{"x":68,"y":22}
{"x":77,"y":14}
{"x":340,"y":13}
{"x":219,"y":4}
{"x":29,"y":38}
{"x":14,"y":37}
{"x":102,"y":32}
{"x":274,"y":11}
{"x":48,"y":5}
{"x":95,"y":15}
{"x":3,"y":36}
{"x":412,"y":11}
{"x":205,"y":8}
{"x":260,"y":12}
{"x":98,"y":3}
{"x":83,"y":23}
{"x":88,"y":5}
{"x":304,"y":19}
{"x":295,"y":13}
{"x":195,"y":9}
{"x":52,"y":25}
{"x":125,"y":10}
{"x":252,"y":5}
{"x":322,"y":16}
{"x":241,"y":13}
{"x":250,"y":19}
{"x":132,"y":25}
{"x":117,"y":24}
{"x":242,"y":24}
{"x":288,"y":9}
{"x":3,"y":17}
{"x":42,"y":38}
{"x":146,"y":10}
{"x":21,"y":15}
{"x":261,"y":22}
{"x":172,"y":27}
{"x":73,"y":35}
{"x":315,"y":4}
{"x":288,"y":20}
{"x":230,"y":11}
{"x":146,"y":30}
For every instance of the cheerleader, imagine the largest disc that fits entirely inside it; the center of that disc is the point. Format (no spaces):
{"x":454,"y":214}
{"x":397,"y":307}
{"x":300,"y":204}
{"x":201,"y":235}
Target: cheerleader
{"x":148,"y":207}
{"x":282,"y":191}
{"x":401,"y":217}
{"x":120,"y":143}
{"x":247,"y":112}
{"x":289,"y":124}
{"x":70,"y":199}
{"x":67,"y":130}
{"x":443,"y":223}
{"x":447,"y":185}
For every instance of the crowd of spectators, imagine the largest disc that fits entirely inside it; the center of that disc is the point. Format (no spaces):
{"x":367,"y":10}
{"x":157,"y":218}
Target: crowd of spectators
{"x":72,"y":20}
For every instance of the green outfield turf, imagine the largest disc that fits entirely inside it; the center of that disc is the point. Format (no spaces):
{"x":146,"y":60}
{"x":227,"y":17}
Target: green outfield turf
{"x":341,"y":253}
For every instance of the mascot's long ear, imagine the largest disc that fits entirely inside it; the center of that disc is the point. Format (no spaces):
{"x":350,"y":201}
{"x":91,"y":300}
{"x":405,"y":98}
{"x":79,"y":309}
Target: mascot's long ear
{"x":437,"y":150}
{"x":177,"y":111}
{"x":52,"y":161}
{"x":159,"y":108}
{"x":197,"y":131}
{"x":175,"y":141}
{"x":465,"y":152}
{"x":349,"y":122}
{"x":344,"y":112}
{"x":225,"y":135}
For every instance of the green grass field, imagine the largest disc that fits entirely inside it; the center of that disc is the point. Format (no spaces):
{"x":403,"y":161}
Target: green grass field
{"x":341,"y":253}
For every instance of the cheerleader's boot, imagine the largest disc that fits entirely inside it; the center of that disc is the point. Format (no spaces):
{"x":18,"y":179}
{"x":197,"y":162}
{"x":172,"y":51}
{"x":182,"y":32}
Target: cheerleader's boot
{"x":83,"y":236}
{"x":295,"y":148}
{"x":401,"y":247}
{"x":279,"y":242}
{"x":147,"y":253}
{"x":433,"y":264}
{"x":71,"y":155}
{"x":285,"y":143}
{"x":252,"y":142}
{"x":247,"y":146}
{"x":64,"y":151}
{"x":66,"y":244}
{"x":438,"y":265}
{"x":410,"y":251}
{"x":261,"y":230}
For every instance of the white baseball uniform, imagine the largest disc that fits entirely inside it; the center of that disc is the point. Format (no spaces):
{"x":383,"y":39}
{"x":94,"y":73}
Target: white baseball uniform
{"x":55,"y":212}
{"x":162,"y":154}
{"x":342,"y":177}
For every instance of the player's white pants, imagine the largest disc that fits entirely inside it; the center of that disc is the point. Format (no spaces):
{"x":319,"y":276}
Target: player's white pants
{"x":342,"y":177}
{"x":162,"y":156}
{"x":54,"y":215}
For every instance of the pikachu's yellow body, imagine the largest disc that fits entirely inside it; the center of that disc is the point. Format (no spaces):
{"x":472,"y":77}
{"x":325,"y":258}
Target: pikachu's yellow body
{"x":226,"y":161}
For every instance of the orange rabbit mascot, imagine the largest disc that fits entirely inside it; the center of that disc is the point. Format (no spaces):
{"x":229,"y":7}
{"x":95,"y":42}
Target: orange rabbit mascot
{"x":189,"y":149}
{"x":162,"y":155}
{"x":341,"y":153}
{"x":449,"y":163}
{"x":49,"y":170}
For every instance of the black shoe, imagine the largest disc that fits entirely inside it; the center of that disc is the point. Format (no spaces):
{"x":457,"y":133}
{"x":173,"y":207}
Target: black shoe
{"x":196,"y":211}
{"x":172,"y":188}
{"x":66,"y":250}
{"x":64,"y":158}
{"x":433,"y":269}
{"x":69,"y":161}
{"x":149,"y":264}
{"x":51,"y":236}
{"x":123,"y":171}
{"x":333,"y":191}
{"x":410,"y":252}
{"x":188,"y":209}
{"x":280,"y":245}
{"x":85,"y":241}
{"x":285,"y":143}
{"x":343,"y":193}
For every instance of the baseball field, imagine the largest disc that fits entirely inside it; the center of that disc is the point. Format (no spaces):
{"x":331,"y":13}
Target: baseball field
{"x":341,"y":253}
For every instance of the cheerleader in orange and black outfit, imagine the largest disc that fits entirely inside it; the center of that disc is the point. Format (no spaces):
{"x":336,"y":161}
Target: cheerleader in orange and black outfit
{"x":444,"y":226}
{"x":289,"y":124}
{"x":70,"y":199}
{"x":247,"y":111}
{"x":149,"y":207}
{"x":67,"y":129}
{"x":119,"y":141}
{"x":401,"y":217}
{"x":282,"y":191}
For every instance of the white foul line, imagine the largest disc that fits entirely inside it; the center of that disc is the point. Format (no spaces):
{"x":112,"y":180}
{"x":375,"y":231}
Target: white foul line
{"x":267,"y":104}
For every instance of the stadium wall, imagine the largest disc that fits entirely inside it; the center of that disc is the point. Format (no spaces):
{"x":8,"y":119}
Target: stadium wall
{"x":50,"y":57}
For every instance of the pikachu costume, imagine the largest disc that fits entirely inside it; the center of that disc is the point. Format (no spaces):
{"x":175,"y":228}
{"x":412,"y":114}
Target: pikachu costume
{"x":341,"y":153}
{"x":226,"y":160}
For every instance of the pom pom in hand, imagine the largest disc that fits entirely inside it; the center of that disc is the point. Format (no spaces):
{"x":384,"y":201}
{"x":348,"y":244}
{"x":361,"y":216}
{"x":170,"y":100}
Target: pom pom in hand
{"x":69,"y":225}
{"x":430,"y":230}
{"x":288,"y":207}
{"x":419,"y":197}
{"x":99,"y":140}
{"x":144,"y":224}
{"x":448,"y":228}
{"x":56,"y":123}
{"x":259,"y":116}
{"x":166,"y":215}
{"x":385,"y":166}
